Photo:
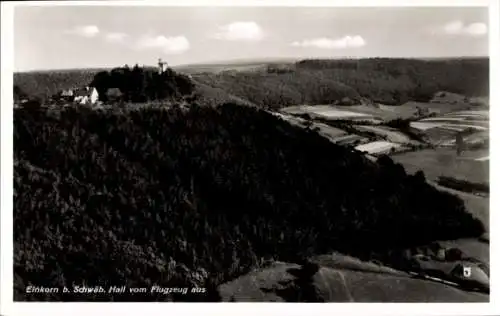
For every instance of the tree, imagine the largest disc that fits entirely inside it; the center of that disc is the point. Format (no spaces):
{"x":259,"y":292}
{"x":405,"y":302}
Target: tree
{"x":140,"y":85}
{"x":19,"y":94}
{"x":33,"y":104}
{"x":137,"y":85}
{"x":459,"y":140}
{"x":420,"y":176}
{"x":102,"y":82}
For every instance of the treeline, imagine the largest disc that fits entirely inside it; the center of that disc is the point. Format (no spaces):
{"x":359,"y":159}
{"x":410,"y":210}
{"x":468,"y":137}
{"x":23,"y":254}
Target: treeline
{"x":409,"y":79}
{"x":43,"y":85}
{"x":463,"y":185}
{"x":277,"y":90}
{"x":140,"y":85}
{"x":195,"y":198}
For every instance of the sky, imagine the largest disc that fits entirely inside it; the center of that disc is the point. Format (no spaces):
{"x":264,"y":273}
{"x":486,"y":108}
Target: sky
{"x":65,"y":37}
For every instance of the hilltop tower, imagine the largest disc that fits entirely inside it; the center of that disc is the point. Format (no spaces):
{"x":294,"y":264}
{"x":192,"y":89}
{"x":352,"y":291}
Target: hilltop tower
{"x":162,"y":66}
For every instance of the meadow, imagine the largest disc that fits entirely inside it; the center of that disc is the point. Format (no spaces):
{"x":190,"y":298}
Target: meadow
{"x":444,"y":162}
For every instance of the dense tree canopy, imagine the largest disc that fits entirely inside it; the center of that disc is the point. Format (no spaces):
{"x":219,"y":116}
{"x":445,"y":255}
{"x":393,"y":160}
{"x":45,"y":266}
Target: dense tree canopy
{"x":382,"y":80}
{"x":19,"y":94}
{"x":140,"y":85}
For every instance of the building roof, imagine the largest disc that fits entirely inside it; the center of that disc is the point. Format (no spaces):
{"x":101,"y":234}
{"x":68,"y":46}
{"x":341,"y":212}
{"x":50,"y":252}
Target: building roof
{"x":82,"y":92}
{"x":67,"y":93}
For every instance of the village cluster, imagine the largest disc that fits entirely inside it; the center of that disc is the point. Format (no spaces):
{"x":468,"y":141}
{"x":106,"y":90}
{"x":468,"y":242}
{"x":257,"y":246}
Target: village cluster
{"x":87,"y":95}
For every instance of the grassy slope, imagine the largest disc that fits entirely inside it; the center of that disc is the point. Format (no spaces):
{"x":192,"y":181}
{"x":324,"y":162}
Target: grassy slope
{"x":443,"y":161}
{"x":333,"y":283}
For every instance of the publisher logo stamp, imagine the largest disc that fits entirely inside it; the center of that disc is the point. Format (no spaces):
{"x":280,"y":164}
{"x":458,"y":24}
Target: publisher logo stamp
{"x":467,"y":272}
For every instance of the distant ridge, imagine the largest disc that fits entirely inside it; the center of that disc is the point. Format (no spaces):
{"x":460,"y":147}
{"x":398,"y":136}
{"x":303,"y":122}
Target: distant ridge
{"x":255,"y":61}
{"x":283,"y":82}
{"x":247,"y":61}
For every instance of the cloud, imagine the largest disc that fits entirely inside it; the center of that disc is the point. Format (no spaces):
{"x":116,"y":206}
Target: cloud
{"x":116,"y":36}
{"x":169,"y":45}
{"x":460,"y":28}
{"x":85,"y":30}
{"x":454,"y":27}
{"x":240,"y":31}
{"x":476,"y":29}
{"x":328,"y":43}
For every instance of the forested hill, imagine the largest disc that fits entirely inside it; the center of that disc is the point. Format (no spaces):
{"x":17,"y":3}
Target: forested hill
{"x":386,"y":81}
{"x":275,"y":85}
{"x":197,"y":197}
{"x":138,"y":84}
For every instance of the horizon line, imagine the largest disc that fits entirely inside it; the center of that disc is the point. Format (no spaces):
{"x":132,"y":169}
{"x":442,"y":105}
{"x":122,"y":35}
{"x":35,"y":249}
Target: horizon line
{"x":252,"y":60}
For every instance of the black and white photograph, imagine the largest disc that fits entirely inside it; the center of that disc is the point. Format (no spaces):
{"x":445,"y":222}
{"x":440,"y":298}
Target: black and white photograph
{"x":249,"y":154}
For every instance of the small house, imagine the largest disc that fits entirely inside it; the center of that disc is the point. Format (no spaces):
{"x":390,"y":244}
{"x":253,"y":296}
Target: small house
{"x":65,"y":96}
{"x":67,"y":93}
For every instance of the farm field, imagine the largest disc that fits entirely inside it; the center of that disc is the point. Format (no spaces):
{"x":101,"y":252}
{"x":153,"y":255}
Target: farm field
{"x":485,"y":158}
{"x":476,"y":119}
{"x":350,"y":139}
{"x":377,"y":112}
{"x":460,"y":125}
{"x":481,"y":113}
{"x":444,"y":162}
{"x":383,"y":112}
{"x":329,"y":132}
{"x":438,"y":108}
{"x":325,"y":130}
{"x":440,"y":136}
{"x":391,"y":134}
{"x":327,"y":112}
{"x":378,"y":147}
{"x":424,"y":126}
{"x":442,"y":130}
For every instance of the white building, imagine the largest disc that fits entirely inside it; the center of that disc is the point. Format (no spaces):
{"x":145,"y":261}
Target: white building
{"x":89,"y":95}
{"x":162,"y":66}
